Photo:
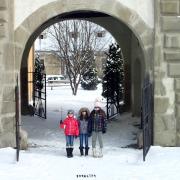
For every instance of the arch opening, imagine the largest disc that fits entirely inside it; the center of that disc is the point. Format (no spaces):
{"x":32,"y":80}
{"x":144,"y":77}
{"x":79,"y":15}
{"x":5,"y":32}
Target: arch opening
{"x":125,"y":44}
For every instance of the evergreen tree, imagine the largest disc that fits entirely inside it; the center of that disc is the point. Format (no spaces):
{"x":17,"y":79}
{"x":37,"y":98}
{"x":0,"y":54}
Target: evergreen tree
{"x":38,"y":75}
{"x":89,"y":79}
{"x":113,"y":80}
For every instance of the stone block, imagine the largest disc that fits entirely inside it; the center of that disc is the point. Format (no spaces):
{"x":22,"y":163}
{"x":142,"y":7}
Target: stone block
{"x":158,"y":123}
{"x":177,"y":98}
{"x":177,"y":84}
{"x":139,"y":25}
{"x":174,"y":69}
{"x":3,"y":17}
{"x":172,"y":40}
{"x":178,"y":111}
{"x":149,"y":53}
{"x":178,"y":139}
{"x":10,"y":78}
{"x":2,"y":31}
{"x":159,"y":73}
{"x":21,"y":34}
{"x":123,"y":12}
{"x":165,"y":138}
{"x":8,"y":107}
{"x":1,"y":82}
{"x":1,"y":127}
{"x":159,"y":88}
{"x":3,"y":4}
{"x":1,"y":58}
{"x":1,"y":47}
{"x":7,"y":140}
{"x":169,"y":122}
{"x":147,"y":38}
{"x":8,"y":93}
{"x":172,"y":55}
{"x":170,"y":7}
{"x":158,"y":52}
{"x":8,"y":123}
{"x":178,"y":124}
{"x":170,"y":23}
{"x":18,"y":57}
{"x":161,"y":104}
{"x":8,"y":57}
{"x":32,"y":23}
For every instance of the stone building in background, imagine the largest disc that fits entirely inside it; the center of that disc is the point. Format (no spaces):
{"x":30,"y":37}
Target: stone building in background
{"x":53,"y":65}
{"x":100,"y":60}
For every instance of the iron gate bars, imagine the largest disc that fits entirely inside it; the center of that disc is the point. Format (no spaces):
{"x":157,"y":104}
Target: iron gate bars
{"x":111,"y":110}
{"x":39,"y":88}
{"x":18,"y":138}
{"x":147,"y":116}
{"x":39,"y":96}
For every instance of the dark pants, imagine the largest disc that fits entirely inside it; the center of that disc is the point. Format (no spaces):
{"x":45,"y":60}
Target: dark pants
{"x":83,"y":140}
{"x":69,"y":141}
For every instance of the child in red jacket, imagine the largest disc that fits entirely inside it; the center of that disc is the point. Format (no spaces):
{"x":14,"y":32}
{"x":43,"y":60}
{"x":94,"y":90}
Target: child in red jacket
{"x":71,"y":130}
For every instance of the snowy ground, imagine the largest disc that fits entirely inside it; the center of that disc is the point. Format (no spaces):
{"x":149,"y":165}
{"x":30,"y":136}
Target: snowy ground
{"x":47,"y":133}
{"x":45,"y":159}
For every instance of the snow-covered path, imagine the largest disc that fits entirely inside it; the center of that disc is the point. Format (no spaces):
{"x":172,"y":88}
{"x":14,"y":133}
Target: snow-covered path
{"x":46,"y":132}
{"x":45,"y":135}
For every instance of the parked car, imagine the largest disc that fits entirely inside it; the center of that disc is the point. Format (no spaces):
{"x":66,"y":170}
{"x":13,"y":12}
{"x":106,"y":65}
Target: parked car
{"x":56,"y":79}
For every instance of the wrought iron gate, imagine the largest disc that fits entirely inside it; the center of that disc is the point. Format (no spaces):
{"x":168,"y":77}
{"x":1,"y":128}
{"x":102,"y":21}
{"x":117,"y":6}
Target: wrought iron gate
{"x":18,"y":138}
{"x":111,"y":110}
{"x":39,"y":96}
{"x":147,"y":116}
{"x":38,"y":82}
{"x":39,"y":89}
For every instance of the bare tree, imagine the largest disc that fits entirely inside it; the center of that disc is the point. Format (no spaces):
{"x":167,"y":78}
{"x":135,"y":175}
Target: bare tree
{"x":73,"y":41}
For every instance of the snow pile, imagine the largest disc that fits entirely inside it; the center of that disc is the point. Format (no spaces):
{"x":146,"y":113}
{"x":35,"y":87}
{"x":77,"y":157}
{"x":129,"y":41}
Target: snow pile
{"x":117,"y":164}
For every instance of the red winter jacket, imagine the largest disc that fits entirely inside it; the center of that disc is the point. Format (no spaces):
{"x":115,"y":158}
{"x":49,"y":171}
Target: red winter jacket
{"x":70,"y":126}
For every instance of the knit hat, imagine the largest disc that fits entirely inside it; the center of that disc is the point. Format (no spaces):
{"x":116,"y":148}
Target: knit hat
{"x":70,"y":111}
{"x":97,"y":102}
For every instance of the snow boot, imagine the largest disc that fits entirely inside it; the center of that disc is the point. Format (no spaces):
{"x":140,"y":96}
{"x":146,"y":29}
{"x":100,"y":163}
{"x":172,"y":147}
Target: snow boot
{"x":81,"y":150}
{"x":100,"y":153}
{"x":68,"y":152}
{"x":94,"y":152}
{"x":71,"y":152}
{"x":86,"y":151}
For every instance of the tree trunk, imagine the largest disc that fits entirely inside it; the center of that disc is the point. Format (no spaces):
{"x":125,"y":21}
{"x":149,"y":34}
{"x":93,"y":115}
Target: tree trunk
{"x":75,"y":89}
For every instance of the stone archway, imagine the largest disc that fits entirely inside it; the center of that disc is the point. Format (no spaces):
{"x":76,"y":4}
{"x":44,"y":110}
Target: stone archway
{"x":28,"y":31}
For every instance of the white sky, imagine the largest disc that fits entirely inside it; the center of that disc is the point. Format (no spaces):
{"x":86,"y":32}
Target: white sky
{"x":47,"y":44}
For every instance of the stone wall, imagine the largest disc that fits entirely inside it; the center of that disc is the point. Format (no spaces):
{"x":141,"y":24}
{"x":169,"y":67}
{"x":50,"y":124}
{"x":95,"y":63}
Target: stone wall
{"x":137,"y":76}
{"x":7,"y":79}
{"x":167,"y":73}
{"x":144,"y":8}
